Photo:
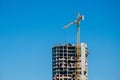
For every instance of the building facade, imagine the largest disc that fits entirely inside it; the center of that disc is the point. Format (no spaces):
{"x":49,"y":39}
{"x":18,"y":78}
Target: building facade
{"x":64,"y":62}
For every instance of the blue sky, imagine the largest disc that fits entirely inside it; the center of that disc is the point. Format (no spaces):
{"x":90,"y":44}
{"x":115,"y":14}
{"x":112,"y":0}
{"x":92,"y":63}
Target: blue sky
{"x":29,"y":29}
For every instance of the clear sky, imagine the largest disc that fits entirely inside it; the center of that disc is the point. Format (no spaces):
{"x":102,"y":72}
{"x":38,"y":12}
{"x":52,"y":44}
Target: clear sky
{"x":29,"y":29}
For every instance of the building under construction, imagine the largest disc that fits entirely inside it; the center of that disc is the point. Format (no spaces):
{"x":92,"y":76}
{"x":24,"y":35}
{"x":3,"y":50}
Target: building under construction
{"x":64,"y":62}
{"x":70,"y":61}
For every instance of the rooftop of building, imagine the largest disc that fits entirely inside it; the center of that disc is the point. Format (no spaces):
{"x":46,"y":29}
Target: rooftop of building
{"x":68,"y":44}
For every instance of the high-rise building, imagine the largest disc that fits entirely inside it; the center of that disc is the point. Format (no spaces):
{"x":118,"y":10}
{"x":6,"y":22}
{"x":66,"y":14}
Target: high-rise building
{"x":64,"y":62}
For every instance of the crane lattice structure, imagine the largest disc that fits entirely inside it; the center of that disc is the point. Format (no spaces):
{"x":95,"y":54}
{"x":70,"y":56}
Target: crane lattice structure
{"x":78,"y":47}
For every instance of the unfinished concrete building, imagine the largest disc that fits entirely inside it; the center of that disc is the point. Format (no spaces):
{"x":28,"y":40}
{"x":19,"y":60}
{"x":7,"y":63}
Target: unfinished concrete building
{"x":64,"y":62}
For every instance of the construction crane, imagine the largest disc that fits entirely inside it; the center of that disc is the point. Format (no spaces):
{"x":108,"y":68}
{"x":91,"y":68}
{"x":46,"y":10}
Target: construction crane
{"x":78,"y":48}
{"x":77,"y":21}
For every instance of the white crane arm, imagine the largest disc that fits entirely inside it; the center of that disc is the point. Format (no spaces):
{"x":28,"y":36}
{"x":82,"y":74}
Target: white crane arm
{"x":69,"y":24}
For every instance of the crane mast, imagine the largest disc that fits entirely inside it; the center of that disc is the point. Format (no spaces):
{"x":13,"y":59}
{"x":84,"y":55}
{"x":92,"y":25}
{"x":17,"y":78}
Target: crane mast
{"x":78,"y":47}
